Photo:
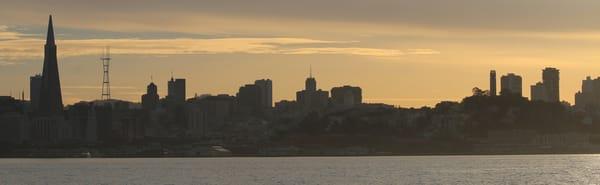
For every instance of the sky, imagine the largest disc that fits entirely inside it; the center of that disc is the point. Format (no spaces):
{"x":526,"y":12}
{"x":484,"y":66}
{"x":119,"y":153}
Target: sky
{"x":400,"y":52}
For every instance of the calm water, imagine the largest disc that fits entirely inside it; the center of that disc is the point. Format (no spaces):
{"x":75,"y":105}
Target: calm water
{"x":523,"y":169}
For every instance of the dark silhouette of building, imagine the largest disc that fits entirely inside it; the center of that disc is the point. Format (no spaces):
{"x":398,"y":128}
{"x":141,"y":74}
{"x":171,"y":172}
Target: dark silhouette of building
{"x":255,"y":98}
{"x":538,"y":92}
{"x":82,"y":121}
{"x":266,"y":92}
{"x":209,"y":113}
{"x":35,"y":85}
{"x":310,"y":84}
{"x":176,"y":91}
{"x":493,"y":83}
{"x":151,"y":98}
{"x":548,"y":89}
{"x":511,"y":84}
{"x":589,"y":94}
{"x":118,"y":121}
{"x":311,"y":99}
{"x":346,"y":96}
{"x":285,"y":106}
{"x":10,"y":104}
{"x":50,"y":93}
{"x":550,"y":77}
{"x":249,"y":99}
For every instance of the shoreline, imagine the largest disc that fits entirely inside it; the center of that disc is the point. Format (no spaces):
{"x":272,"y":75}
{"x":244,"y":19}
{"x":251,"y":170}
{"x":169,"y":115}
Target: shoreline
{"x":292,"y":156}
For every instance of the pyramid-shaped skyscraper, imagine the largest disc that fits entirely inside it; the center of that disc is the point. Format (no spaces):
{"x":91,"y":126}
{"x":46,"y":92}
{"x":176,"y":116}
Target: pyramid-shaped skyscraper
{"x":50,"y":93}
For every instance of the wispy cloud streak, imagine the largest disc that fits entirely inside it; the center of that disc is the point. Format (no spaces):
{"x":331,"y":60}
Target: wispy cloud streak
{"x":13,"y":46}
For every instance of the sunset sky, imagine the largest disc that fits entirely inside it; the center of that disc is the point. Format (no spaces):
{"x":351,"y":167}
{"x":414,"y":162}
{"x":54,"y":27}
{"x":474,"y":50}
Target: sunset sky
{"x":406,"y":53}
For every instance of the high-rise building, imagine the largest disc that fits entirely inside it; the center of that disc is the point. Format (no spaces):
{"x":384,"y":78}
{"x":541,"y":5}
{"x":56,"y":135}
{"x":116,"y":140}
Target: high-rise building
{"x":50,"y":94}
{"x":249,"y":98}
{"x":176,"y":90}
{"x":208,"y":112}
{"x":35,"y":84}
{"x":538,"y":92}
{"x":587,"y":85}
{"x":511,"y":84}
{"x":550,"y":78}
{"x":346,"y":96}
{"x":493,"y":83}
{"x":151,"y":98}
{"x":266,"y":92}
{"x":589,"y":94}
{"x":311,"y":99}
{"x":310,"y":84}
{"x":255,"y":98}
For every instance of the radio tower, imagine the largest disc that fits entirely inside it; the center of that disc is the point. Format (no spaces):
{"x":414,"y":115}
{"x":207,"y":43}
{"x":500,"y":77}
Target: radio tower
{"x":105,"y":80}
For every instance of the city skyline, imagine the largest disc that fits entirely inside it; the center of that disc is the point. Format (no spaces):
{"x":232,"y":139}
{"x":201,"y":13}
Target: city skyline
{"x":299,"y":92}
{"x":372,"y":57}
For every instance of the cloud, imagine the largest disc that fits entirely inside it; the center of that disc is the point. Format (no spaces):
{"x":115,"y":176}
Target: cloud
{"x":406,"y":99}
{"x":422,"y":52}
{"x":351,"y":51}
{"x":5,"y":34}
{"x":18,"y":47}
{"x":506,"y":14}
{"x":97,"y":87}
{"x":6,"y":63}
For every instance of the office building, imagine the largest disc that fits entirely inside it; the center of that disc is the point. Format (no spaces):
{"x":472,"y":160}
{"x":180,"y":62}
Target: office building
{"x":346,"y":96}
{"x":176,"y":91}
{"x":493,"y":83}
{"x":249,"y":98}
{"x":35,"y":85}
{"x":151,"y":98}
{"x":50,"y":93}
{"x":208,"y":113}
{"x":311,"y":99}
{"x":538,"y":92}
{"x":589,"y":94}
{"x":550,"y":78}
{"x":266,"y":92}
{"x":511,"y":84}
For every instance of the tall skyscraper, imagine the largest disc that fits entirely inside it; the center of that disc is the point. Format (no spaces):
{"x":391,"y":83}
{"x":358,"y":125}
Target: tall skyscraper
{"x":35,"y":84}
{"x":493,"y":83}
{"x":550,"y":77}
{"x":50,"y":93}
{"x":176,"y":90}
{"x":151,"y":98}
{"x":266,"y":88}
{"x":511,"y":84}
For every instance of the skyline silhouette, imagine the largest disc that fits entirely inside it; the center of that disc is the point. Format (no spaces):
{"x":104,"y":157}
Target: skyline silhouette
{"x":300,"y":92}
{"x":384,"y":58}
{"x":49,"y":99}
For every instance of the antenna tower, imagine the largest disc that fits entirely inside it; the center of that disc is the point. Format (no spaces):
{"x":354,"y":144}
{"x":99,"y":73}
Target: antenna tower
{"x":105,"y":79}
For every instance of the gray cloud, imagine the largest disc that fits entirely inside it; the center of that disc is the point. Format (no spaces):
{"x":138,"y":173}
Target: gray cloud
{"x":560,"y":15}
